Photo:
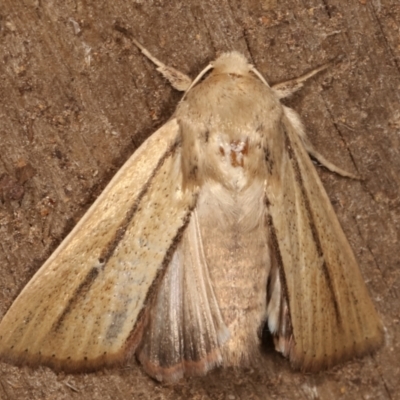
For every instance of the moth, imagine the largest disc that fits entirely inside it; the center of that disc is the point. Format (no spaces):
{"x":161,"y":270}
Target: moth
{"x":217,"y":226}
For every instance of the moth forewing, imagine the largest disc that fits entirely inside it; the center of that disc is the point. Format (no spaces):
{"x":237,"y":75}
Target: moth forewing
{"x":83,"y":307}
{"x":218,"y":224}
{"x":332,"y":315}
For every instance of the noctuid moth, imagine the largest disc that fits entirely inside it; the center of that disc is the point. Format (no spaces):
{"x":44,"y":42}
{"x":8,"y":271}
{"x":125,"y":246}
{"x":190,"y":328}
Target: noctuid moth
{"x":217,"y":225}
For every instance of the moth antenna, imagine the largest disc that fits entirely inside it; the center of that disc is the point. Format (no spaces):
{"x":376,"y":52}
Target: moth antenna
{"x":255,"y":71}
{"x":198,"y":78}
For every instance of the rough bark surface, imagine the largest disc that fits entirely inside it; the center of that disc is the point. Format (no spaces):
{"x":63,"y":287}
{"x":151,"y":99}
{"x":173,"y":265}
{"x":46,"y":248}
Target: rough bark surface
{"x":77,"y":98}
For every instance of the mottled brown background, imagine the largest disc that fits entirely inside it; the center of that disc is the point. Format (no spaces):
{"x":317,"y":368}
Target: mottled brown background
{"x":77,"y":98}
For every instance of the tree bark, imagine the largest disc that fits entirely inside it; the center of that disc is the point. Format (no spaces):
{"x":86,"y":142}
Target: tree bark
{"x":77,"y":98}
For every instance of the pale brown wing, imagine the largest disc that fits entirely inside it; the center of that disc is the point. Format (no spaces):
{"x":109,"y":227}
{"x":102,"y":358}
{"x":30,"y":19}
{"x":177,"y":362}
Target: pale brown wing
{"x":321,"y":311}
{"x":186,"y":329}
{"x":86,"y":305}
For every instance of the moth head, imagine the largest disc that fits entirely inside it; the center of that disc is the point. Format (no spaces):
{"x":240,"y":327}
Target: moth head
{"x":228,"y":63}
{"x":235,"y":63}
{"x":232,"y":63}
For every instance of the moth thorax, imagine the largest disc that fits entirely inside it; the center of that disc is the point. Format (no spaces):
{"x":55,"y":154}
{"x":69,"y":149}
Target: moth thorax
{"x":235,"y":151}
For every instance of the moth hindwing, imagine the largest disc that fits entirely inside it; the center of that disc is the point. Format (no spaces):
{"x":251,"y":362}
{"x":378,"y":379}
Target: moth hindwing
{"x":216,"y":226}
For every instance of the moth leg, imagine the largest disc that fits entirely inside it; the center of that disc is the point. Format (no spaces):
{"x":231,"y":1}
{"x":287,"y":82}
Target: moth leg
{"x":178,"y":80}
{"x":326,"y":163}
{"x":297,"y":124}
{"x":286,"y":89}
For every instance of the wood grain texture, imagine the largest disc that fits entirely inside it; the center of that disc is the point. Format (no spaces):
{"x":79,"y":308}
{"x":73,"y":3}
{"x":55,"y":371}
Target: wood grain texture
{"x":76,"y":99}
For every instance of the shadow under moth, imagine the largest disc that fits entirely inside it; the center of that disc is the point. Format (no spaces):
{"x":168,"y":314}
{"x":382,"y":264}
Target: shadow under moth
{"x":217,"y":226}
